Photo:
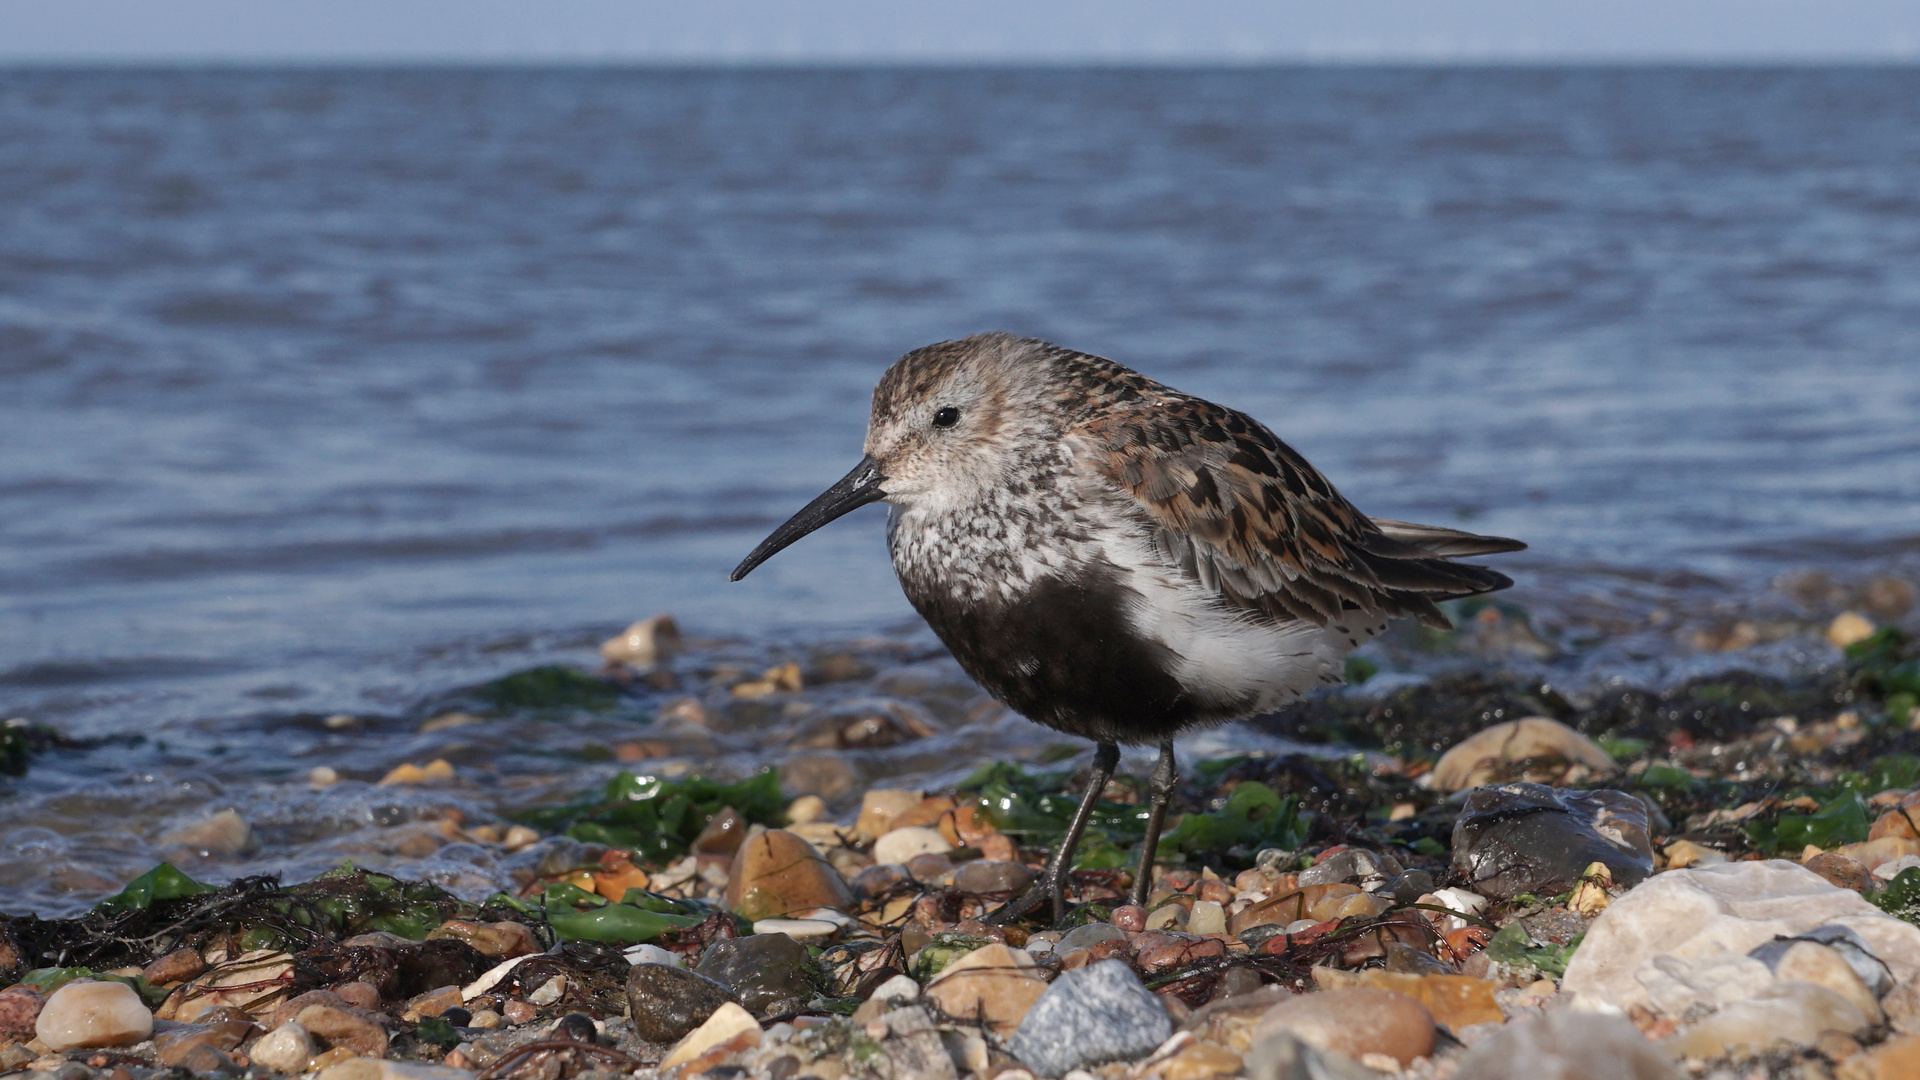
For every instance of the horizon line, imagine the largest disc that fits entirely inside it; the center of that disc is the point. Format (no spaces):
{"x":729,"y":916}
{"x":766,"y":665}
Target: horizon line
{"x":873,"y":62}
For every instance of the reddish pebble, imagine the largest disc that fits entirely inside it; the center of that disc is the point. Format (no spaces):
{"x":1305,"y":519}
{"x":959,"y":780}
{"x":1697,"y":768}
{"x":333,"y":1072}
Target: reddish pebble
{"x":1129,"y":917}
{"x":518,"y":1012}
{"x":1160,"y":950}
{"x":19,"y":1008}
{"x":359,"y":995}
{"x":1216,"y":891}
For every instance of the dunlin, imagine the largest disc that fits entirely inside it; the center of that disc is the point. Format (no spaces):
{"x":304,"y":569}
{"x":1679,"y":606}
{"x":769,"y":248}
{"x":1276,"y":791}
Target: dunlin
{"x":1118,"y":560}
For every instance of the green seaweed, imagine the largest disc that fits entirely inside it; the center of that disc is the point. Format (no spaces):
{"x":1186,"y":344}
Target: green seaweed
{"x":1901,"y":897}
{"x":1514,"y":946}
{"x":354,"y":901}
{"x":47,"y":980}
{"x":1843,"y":820}
{"x":551,"y":686}
{"x":574,"y":913}
{"x":163,"y":882}
{"x":1254,"y":817}
{"x":656,"y":818}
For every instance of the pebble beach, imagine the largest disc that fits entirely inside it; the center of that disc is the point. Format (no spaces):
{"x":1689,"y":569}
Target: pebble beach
{"x":1473,"y":875}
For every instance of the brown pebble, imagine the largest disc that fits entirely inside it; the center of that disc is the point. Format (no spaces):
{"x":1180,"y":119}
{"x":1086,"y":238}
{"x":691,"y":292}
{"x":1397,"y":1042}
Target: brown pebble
{"x":175,"y":967}
{"x":359,"y":995}
{"x":1355,"y":1022}
{"x":1129,"y":917}
{"x":1841,"y":870}
{"x":1162,"y":950}
{"x":287,"y":1010}
{"x":998,"y":847}
{"x":344,"y":1028}
{"x":518,"y":1012}
{"x":929,"y":867}
{"x":1216,"y":891}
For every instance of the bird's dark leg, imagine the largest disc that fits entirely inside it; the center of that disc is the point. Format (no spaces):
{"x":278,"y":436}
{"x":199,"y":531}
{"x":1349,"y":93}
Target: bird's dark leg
{"x":1053,"y":884}
{"x":1165,"y":775}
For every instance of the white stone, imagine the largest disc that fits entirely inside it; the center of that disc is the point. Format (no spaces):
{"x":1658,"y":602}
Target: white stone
{"x":1887,"y":871}
{"x":804,"y":931}
{"x":1699,"y":912}
{"x":548,"y":992}
{"x":1784,"y":1013}
{"x":285,"y":1049}
{"x":492,"y":977}
{"x":900,"y":988}
{"x":727,"y":1021}
{"x":1676,"y":984}
{"x":651,"y":954}
{"x":1461,"y":900}
{"x":643,"y":644}
{"x":1207,"y":917}
{"x":900,"y":845}
{"x":85,"y":1014}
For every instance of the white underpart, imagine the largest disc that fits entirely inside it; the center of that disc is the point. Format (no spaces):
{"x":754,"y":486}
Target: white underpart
{"x":1225,"y":655}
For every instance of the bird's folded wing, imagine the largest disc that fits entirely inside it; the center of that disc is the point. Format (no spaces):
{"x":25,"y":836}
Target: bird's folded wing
{"x":1245,"y":515}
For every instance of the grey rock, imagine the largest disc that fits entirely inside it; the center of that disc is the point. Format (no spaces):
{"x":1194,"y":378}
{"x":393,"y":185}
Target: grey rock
{"x":1567,"y":1045}
{"x":990,"y":876}
{"x":1853,"y":948}
{"x":771,"y":973}
{"x":1354,"y":866}
{"x":1529,"y":838}
{"x":912,"y":1049}
{"x":1096,"y":1014}
{"x":666,"y":1002}
{"x":1091,"y":934}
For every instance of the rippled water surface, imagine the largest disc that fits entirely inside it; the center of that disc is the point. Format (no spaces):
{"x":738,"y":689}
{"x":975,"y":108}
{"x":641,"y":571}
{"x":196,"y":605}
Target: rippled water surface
{"x":328,"y":392}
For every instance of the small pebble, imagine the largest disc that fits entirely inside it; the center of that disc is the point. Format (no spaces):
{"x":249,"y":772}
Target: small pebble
{"x":285,"y":1049}
{"x":548,"y":992}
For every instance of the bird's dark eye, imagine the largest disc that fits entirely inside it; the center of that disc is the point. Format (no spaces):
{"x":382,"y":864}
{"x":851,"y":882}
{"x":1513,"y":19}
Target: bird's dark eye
{"x":946,"y":417}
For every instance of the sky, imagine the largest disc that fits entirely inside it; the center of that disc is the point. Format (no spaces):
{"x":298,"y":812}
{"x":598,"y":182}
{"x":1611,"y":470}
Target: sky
{"x":958,"y":31}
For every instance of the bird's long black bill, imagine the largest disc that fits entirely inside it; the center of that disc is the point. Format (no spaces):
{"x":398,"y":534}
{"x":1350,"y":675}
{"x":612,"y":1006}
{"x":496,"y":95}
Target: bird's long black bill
{"x":855,"y":490}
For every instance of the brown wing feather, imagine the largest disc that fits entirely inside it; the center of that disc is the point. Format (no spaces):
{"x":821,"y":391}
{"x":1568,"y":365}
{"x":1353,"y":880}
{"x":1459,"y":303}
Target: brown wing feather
{"x":1244,"y":514}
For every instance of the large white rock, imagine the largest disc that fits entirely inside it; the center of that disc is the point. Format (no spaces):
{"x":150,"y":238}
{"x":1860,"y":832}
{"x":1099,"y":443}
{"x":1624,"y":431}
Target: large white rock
{"x":1698,"y":913}
{"x":93,"y":1014}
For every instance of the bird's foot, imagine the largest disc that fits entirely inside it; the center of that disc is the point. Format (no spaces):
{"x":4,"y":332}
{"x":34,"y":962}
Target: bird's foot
{"x":1051,"y":890}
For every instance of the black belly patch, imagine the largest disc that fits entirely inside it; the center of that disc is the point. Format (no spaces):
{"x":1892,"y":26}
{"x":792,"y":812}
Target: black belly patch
{"x":1064,"y":654}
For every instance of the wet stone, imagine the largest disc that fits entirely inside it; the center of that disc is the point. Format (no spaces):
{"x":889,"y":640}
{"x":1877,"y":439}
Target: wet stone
{"x":1097,"y":1014}
{"x":989,"y":876}
{"x":176,"y":966}
{"x":1529,"y":838}
{"x":344,"y":1028}
{"x":285,"y":1049}
{"x":1165,"y":950}
{"x":87,"y":1014}
{"x":1354,"y":866}
{"x":769,"y":973}
{"x":775,"y":873}
{"x":19,"y":1007}
{"x":666,"y":1003}
{"x":993,"y":985}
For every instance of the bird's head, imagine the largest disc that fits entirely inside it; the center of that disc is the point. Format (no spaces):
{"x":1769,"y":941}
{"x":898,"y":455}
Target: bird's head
{"x":950,"y":423}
